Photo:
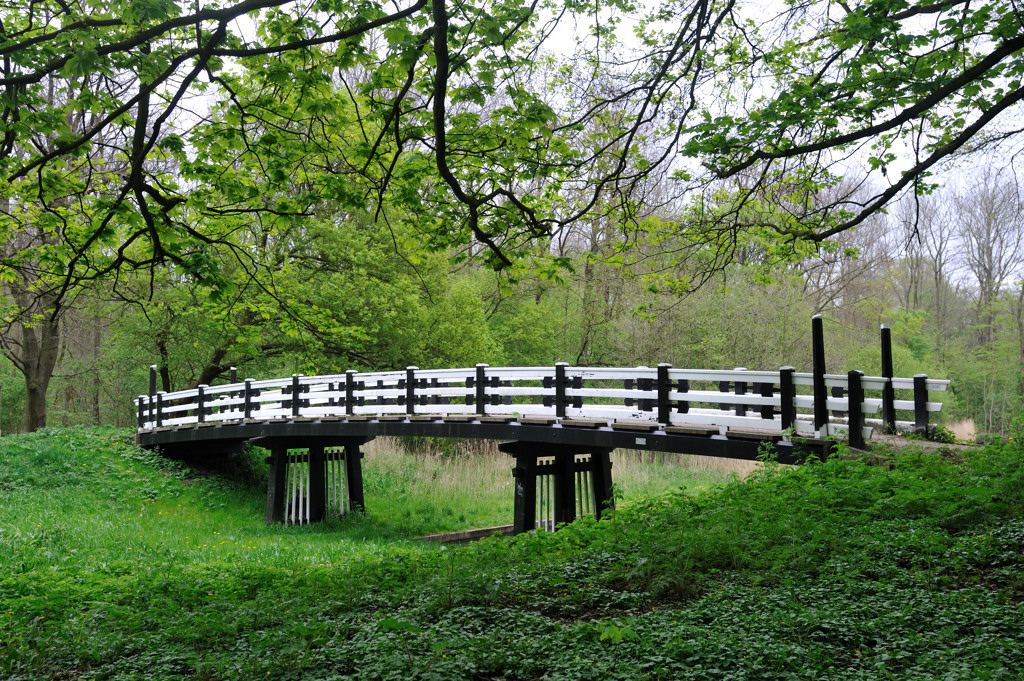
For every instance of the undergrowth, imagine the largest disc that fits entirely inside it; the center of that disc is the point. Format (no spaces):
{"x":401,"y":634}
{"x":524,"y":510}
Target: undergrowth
{"x":837,"y":570}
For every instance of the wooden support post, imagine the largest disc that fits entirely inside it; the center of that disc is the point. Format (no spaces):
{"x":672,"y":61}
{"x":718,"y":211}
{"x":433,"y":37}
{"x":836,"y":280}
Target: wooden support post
{"x":820,"y":394}
{"x":888,"y":394}
{"x":160,"y":409}
{"x":524,"y":511}
{"x":142,"y":411}
{"x":354,"y":477}
{"x":317,"y":484}
{"x":564,"y":480}
{"x":787,"y":396}
{"x":856,"y":409}
{"x":921,"y":404}
{"x":601,"y":476}
{"x":664,"y":386}
{"x":276,"y":491}
{"x":565,"y":488}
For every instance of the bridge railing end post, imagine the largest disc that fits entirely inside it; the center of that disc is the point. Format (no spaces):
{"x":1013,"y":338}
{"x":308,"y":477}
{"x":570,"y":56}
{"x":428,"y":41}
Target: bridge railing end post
{"x":855,"y":408}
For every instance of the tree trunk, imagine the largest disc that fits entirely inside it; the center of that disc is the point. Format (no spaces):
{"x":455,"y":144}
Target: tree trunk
{"x":35,"y":355}
{"x":96,"y":363}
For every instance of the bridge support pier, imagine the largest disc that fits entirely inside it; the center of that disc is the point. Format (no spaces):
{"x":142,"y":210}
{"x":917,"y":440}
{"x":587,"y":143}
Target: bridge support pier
{"x":558,"y":483}
{"x":312,"y":479}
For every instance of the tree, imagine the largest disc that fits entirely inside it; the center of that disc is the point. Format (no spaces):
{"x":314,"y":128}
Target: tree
{"x":880,"y":93}
{"x":445,"y":114}
{"x":991,"y":231}
{"x":788,"y":105}
{"x":42,"y":227}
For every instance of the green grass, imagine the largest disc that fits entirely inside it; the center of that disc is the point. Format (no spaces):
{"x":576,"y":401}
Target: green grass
{"x":115,"y":564}
{"x":451,"y":485}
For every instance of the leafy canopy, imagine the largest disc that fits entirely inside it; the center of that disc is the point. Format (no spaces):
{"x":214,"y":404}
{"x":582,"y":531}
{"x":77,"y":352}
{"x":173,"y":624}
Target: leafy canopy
{"x":457,"y":116}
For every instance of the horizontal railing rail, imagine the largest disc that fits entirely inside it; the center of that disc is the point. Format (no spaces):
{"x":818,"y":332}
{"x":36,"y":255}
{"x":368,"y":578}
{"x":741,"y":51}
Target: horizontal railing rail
{"x":783,"y":400}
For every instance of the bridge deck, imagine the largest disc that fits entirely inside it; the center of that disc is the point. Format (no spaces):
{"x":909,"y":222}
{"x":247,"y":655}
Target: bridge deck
{"x":302,"y":432}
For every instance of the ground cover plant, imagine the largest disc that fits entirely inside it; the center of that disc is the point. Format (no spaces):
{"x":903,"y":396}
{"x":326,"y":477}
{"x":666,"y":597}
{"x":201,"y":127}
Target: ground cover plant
{"x":115,"y":564}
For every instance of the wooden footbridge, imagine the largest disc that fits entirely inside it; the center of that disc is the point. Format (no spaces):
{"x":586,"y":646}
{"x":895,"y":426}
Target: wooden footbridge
{"x":560,"y":423}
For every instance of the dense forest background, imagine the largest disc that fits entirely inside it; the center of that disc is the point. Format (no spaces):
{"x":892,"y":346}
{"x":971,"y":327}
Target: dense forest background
{"x":314,"y":186}
{"x":346,"y":293}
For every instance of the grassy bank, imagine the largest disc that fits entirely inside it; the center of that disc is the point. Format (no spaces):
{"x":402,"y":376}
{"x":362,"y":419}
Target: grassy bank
{"x":116,"y":565}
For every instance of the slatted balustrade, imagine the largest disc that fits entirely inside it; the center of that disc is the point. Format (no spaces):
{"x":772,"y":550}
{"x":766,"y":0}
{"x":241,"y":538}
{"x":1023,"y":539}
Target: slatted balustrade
{"x":662,"y":396}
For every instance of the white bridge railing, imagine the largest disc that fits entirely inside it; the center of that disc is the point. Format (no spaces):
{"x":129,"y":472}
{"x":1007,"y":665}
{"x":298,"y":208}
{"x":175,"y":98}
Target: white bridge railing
{"x":811,"y":404}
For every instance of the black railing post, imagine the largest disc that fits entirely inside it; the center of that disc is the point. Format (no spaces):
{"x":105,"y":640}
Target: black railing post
{"x":888,"y":394}
{"x":201,"y":403}
{"x":410,"y":390}
{"x":921,"y":404}
{"x":152,"y":388}
{"x":766,"y":389}
{"x":840,"y":392}
{"x":248,"y":398}
{"x":741,"y":389}
{"x":820,"y":394}
{"x":481,"y":389}
{"x":142,"y":411}
{"x":855,"y":410}
{"x":350,"y":392}
{"x":664,"y":386}
{"x":560,"y":386}
{"x":160,"y":409}
{"x":295,"y":395}
{"x":787,"y":396}
{"x":683,"y":406}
